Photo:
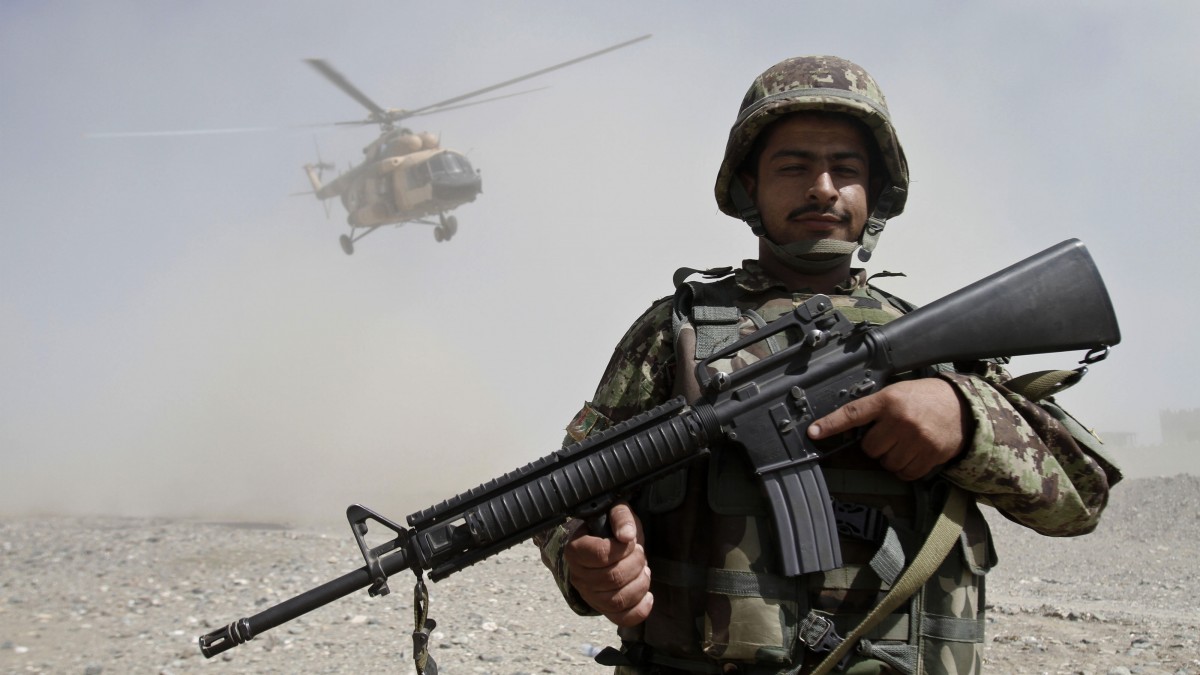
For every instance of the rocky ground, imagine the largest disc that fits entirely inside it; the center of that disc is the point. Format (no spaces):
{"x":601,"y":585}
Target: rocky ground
{"x":103,"y":595}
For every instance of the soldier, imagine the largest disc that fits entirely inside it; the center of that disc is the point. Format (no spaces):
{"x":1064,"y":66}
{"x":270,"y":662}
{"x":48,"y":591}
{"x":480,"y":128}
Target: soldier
{"x":814,"y":166}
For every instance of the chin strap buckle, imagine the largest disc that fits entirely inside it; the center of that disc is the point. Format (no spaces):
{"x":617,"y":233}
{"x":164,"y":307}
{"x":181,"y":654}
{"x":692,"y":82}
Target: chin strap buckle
{"x":877,"y":220}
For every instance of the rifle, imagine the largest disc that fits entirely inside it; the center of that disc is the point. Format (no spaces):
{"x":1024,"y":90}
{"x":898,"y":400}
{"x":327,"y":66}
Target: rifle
{"x":1050,"y":302}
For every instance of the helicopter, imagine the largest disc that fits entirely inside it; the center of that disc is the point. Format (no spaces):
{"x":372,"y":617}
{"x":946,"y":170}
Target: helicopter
{"x":408,"y":177}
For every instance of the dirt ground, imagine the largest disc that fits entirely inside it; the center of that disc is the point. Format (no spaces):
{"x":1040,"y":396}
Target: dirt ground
{"x":110,"y":595}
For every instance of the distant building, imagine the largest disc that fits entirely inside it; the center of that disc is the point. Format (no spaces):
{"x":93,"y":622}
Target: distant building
{"x":1180,"y":426}
{"x":1118,"y":439}
{"x":1177,"y":453}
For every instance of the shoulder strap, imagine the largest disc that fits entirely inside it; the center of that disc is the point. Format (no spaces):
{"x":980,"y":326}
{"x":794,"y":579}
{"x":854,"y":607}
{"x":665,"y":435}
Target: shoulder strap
{"x":884,"y":296}
{"x":710,"y":306}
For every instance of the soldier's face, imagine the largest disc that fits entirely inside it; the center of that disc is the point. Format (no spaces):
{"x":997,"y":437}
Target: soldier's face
{"x":812,"y":179}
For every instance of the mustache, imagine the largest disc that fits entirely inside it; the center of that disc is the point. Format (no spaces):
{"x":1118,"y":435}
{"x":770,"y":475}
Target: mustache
{"x":842,"y":216}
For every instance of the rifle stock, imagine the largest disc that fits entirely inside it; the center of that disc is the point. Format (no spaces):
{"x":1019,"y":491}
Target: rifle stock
{"x":1050,"y":302}
{"x":1053,"y":301}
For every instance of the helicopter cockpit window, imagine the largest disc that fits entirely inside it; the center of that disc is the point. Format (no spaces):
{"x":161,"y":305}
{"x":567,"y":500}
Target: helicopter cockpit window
{"x":463,"y":165}
{"x":418,"y":174}
{"x":449,"y":163}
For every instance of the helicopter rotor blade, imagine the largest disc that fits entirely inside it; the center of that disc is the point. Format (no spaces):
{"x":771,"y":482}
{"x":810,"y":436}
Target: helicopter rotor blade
{"x":379,"y":115}
{"x":471,"y":103}
{"x":363,"y":123}
{"x":347,"y":123}
{"x":564,"y":64}
{"x":342,"y":83}
{"x":176,"y":132}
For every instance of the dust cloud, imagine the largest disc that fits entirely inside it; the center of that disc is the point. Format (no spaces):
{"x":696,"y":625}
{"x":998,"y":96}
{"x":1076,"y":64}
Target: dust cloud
{"x":179,"y":336}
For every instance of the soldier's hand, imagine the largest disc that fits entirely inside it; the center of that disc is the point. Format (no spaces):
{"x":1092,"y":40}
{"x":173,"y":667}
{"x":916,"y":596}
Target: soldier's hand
{"x":611,"y":574}
{"x":916,"y":425}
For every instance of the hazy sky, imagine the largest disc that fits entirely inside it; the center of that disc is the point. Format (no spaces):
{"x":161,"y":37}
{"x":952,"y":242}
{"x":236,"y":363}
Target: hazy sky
{"x":180,"y":335}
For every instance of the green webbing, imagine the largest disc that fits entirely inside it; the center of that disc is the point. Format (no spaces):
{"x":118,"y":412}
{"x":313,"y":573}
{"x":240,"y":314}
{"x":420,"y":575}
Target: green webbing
{"x":952,"y":628}
{"x":941,"y":539}
{"x":725,"y":582}
{"x":752,"y":585}
{"x":710,"y":308}
{"x":888,"y":561}
{"x":715,"y":327}
{"x":900,"y":657}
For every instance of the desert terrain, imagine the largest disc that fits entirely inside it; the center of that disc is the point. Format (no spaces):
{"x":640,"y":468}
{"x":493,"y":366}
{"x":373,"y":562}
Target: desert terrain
{"x":87,"y":596}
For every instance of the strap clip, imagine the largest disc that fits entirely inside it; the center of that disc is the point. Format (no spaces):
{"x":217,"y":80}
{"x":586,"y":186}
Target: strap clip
{"x":817,"y":632}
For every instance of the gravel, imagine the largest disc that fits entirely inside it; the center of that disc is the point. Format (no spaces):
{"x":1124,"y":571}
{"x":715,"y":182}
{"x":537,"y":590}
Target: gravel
{"x":100,"y":595}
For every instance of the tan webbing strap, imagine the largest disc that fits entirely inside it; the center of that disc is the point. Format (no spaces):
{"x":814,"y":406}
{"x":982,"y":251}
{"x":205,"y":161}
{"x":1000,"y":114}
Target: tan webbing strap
{"x":1039,"y":385}
{"x":941,"y":539}
{"x":424,"y":626}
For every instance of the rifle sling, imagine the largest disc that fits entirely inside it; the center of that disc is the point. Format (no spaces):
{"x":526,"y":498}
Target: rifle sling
{"x":1044,"y":383}
{"x":941,"y":540}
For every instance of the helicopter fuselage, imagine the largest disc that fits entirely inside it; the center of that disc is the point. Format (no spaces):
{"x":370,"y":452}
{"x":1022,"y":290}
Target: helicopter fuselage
{"x":403,"y":187}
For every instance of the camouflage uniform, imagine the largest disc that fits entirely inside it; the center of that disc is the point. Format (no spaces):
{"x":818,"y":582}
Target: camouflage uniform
{"x":1020,"y":460}
{"x":720,"y":601}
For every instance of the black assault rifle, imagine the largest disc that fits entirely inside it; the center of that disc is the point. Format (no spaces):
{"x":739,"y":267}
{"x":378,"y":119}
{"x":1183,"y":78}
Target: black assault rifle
{"x":1053,"y":301}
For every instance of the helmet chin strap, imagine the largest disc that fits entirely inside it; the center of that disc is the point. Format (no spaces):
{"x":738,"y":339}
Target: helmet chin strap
{"x":812,"y":256}
{"x":821,"y":255}
{"x":745,"y":206}
{"x":874,"y":227}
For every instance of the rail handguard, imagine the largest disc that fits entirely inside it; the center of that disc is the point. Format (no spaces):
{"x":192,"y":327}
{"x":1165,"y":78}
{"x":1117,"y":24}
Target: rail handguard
{"x":1053,"y":301}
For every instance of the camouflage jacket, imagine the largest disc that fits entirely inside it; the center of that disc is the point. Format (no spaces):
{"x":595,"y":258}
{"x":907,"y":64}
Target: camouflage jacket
{"x":1032,"y":462}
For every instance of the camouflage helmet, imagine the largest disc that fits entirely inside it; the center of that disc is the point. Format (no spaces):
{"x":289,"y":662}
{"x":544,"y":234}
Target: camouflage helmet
{"x":813,"y":83}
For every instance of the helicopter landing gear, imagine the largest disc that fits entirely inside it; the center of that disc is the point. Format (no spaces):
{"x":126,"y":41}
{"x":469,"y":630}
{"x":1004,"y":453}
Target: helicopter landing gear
{"x":446,"y":228}
{"x":347,"y":241}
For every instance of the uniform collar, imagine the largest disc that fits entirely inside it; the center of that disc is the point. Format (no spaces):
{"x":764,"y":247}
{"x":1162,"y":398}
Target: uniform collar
{"x":751,"y":277}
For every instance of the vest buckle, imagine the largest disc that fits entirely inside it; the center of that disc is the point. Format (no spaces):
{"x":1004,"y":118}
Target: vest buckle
{"x":817,"y":632}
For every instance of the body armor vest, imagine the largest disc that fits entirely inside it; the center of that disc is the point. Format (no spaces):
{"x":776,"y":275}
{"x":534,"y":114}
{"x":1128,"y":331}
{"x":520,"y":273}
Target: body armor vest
{"x":719,"y":598}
